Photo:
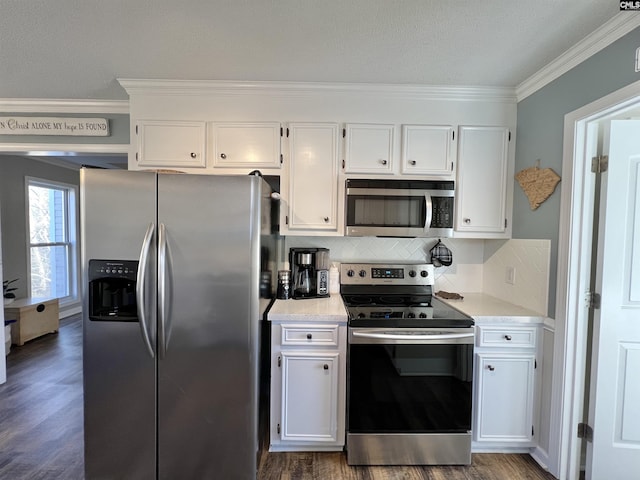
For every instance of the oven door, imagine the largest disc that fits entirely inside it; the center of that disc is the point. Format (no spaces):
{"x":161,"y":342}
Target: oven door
{"x":409,"y":396}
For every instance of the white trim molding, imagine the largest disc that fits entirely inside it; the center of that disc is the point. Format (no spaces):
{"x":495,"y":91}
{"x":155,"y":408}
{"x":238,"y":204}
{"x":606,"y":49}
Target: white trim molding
{"x":617,"y":27}
{"x":35,"y":105}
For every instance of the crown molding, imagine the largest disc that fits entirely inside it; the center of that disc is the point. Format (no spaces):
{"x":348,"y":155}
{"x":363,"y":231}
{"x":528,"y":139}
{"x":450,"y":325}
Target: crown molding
{"x":617,"y":27}
{"x":298,"y":89}
{"x":40,"y":105}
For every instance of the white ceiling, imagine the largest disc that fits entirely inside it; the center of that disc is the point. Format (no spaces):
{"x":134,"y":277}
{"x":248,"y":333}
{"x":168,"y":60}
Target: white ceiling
{"x":76,"y":49}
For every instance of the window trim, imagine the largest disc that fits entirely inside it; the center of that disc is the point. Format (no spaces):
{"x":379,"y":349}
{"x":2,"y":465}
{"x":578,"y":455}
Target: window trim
{"x":72,"y":231}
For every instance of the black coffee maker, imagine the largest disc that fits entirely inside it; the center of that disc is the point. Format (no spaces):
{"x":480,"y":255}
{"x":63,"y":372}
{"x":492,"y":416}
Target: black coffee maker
{"x":309,"y":272}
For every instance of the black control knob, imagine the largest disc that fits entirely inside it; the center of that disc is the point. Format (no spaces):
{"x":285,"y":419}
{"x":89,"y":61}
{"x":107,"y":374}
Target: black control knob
{"x":423,"y":315}
{"x":362,"y":273}
{"x":350,"y":273}
{"x":411,"y":315}
{"x":412,"y":273}
{"x":424,"y":273}
{"x":361,"y":315}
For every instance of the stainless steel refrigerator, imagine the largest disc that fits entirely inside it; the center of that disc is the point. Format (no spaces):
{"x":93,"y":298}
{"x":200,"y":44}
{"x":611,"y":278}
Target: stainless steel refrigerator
{"x":172,"y":308}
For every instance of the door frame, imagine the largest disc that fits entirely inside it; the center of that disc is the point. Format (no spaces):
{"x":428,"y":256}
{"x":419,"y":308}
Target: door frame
{"x":574,"y":264}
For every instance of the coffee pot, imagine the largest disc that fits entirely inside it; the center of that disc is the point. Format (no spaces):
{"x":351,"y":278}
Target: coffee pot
{"x":310,"y":272}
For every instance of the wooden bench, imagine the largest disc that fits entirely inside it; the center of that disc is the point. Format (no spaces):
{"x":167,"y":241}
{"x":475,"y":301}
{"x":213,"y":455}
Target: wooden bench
{"x":34,"y":317}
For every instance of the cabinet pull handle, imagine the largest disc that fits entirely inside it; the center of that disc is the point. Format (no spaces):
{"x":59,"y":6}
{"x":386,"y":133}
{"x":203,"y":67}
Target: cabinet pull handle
{"x":467,"y":220}
{"x":491,"y":368}
{"x":325,"y":366}
{"x":326,"y":219}
{"x":193,"y":155}
{"x":384,"y":162}
{"x":309,"y":336}
{"x":507,"y":338}
{"x":412,"y":162}
{"x":223,"y":155}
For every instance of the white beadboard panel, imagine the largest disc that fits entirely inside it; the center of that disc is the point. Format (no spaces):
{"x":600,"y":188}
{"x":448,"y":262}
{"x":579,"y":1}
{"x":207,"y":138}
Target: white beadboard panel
{"x":464,"y":275}
{"x":530,"y":261}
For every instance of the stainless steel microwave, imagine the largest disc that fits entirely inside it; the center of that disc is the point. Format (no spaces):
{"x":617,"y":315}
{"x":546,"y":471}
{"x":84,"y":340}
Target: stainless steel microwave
{"x":399,"y":208}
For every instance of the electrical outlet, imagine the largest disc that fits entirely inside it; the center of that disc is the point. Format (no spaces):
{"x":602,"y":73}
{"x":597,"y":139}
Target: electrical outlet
{"x":510,"y":275}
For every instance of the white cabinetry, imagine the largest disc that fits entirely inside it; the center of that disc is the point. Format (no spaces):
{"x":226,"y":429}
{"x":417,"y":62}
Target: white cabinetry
{"x":170,"y":144}
{"x":504,"y":403}
{"x":246,"y":145}
{"x":482,"y":186}
{"x":368,"y":148}
{"x":313,"y":179}
{"x":426,"y":150}
{"x":307,"y":386}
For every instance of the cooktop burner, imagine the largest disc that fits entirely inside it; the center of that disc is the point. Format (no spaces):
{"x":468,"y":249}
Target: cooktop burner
{"x":382,"y":295}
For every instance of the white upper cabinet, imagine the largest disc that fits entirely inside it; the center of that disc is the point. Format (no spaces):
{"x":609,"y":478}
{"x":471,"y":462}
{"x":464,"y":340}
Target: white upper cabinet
{"x":368,"y":148}
{"x":170,"y":144}
{"x":313,"y":178}
{"x":481,"y":189}
{"x":246,"y":145}
{"x":427,"y":150}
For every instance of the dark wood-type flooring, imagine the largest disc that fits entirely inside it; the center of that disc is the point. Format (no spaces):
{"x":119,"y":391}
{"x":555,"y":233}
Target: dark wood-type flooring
{"x":41,"y":428}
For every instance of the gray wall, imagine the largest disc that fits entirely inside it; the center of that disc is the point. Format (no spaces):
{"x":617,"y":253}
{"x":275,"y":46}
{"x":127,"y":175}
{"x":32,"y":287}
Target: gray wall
{"x":13,"y":213}
{"x":540,"y":133}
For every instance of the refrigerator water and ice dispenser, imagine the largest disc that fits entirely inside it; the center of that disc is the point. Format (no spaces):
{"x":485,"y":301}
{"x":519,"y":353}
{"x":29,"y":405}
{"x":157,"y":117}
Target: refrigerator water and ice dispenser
{"x":112,"y":290}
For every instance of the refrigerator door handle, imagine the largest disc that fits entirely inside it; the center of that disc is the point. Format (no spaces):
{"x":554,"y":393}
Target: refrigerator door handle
{"x":164,"y":294}
{"x":140,"y":288}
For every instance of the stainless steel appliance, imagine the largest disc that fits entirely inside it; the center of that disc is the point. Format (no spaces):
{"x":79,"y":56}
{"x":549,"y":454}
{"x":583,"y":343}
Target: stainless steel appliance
{"x":409,"y":370}
{"x":399,"y":208}
{"x":172,"y":309}
{"x":310,"y":271}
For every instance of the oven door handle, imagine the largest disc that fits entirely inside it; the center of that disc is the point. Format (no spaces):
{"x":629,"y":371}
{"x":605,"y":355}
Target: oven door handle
{"x":425,"y":338}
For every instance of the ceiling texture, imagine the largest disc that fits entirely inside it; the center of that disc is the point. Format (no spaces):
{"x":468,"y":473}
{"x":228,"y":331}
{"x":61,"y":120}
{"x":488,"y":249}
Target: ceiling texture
{"x":77,"y":49}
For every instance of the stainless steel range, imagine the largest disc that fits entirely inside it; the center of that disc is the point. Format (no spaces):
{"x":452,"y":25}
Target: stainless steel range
{"x":409,"y":370}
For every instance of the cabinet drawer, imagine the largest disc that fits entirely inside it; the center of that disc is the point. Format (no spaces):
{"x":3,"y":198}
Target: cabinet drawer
{"x":317,"y":335}
{"x":515,"y":337}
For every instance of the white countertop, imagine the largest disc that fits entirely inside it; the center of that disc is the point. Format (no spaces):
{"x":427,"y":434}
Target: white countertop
{"x":329,"y":309}
{"x":485,"y":308}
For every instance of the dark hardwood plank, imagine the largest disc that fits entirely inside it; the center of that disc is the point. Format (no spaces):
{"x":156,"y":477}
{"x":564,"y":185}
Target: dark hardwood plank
{"x":41,"y":435}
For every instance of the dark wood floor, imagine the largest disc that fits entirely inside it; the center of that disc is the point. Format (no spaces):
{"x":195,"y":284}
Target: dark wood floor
{"x":41,"y":428}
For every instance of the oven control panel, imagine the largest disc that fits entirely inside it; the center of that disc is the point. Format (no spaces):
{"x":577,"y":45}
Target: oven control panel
{"x":386,"y":274}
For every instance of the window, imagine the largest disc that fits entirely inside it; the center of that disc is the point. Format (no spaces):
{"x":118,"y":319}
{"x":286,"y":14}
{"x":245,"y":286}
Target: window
{"x":52,"y":240}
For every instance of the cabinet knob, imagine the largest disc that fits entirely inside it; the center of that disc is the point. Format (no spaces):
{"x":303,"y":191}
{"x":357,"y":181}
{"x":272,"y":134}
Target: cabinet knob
{"x":309,"y":336}
{"x":326,"y":219}
{"x":384,"y":162}
{"x":325,"y":366}
{"x":412,"y":162}
{"x":491,"y":368}
{"x":507,"y":338}
{"x":467,"y":220}
{"x":223,"y":155}
{"x":193,"y":155}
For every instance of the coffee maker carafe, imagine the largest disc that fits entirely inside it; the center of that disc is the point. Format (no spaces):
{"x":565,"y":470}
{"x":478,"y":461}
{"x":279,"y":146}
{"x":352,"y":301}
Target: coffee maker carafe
{"x":310,"y":272}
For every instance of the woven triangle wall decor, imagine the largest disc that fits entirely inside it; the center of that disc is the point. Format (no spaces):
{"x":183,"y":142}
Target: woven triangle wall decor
{"x":538,"y":184}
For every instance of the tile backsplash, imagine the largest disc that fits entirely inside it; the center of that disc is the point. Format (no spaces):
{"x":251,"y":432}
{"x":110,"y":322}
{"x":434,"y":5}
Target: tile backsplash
{"x":478,"y":265}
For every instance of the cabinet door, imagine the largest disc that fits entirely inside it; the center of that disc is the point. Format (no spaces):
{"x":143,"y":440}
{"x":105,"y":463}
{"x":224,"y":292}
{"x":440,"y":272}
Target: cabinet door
{"x":310,"y":397}
{"x":368,"y":148}
{"x":313,"y":176}
{"x":246,"y":145}
{"x":482,"y":179}
{"x":504,"y":402}
{"x":170,"y":144}
{"x":426,"y":149}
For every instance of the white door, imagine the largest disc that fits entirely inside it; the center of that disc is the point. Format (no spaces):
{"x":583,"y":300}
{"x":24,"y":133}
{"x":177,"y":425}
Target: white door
{"x":614,"y":411}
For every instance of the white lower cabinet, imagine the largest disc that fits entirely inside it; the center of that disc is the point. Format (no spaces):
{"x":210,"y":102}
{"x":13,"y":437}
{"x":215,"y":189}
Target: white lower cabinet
{"x":308,"y":387}
{"x":506,"y":382}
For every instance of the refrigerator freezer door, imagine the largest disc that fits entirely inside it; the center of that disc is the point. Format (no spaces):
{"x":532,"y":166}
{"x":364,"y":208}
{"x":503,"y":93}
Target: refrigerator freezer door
{"x":119,"y":373}
{"x":207,"y":371}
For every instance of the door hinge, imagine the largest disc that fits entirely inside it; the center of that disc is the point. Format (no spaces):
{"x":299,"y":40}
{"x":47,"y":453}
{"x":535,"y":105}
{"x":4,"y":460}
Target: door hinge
{"x":343,"y":164}
{"x":279,"y":361}
{"x":594,"y":301}
{"x":533,"y":433}
{"x":278,"y":429}
{"x":287,"y":132}
{"x":599,"y":164}
{"x":453,"y":135}
{"x":281,"y":131}
{"x":535,"y":363}
{"x":509,"y":135}
{"x":505,"y":223}
{"x":281,"y":159}
{"x":136,"y":129}
{"x":286,"y":220}
{"x":452,"y":166}
{"x":136,"y":156}
{"x":344,"y":132}
{"x":585,"y":431}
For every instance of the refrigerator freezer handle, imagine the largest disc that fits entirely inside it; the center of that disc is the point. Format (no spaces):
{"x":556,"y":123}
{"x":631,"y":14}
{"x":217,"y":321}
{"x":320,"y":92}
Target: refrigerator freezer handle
{"x":163,"y":291}
{"x":140,"y":288}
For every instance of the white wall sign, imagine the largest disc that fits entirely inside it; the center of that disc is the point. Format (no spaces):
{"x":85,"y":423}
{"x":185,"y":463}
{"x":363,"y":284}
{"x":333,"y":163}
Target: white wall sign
{"x":90,"y":127}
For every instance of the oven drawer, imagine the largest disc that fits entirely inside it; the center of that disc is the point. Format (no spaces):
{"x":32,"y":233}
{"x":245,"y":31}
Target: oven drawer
{"x":514,"y":337}
{"x":316,"y":335}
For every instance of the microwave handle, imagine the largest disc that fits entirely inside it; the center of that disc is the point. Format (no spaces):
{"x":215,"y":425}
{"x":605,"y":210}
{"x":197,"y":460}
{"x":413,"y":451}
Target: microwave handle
{"x":428,"y":216}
